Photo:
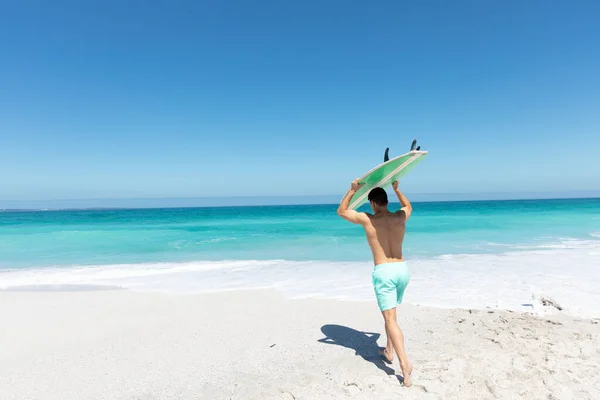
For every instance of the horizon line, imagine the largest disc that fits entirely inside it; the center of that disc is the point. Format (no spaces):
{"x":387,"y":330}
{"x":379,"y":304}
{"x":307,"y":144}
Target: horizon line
{"x":173,"y":206}
{"x":593,"y":192}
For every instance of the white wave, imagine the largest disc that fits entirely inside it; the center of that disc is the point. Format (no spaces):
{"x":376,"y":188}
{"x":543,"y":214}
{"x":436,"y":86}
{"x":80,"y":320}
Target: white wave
{"x":216,"y":240}
{"x":561,"y":243}
{"x":513,"y":280}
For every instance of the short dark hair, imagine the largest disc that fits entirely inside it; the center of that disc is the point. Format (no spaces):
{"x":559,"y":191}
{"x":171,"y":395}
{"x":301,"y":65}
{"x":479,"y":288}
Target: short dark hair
{"x":378,"y":196}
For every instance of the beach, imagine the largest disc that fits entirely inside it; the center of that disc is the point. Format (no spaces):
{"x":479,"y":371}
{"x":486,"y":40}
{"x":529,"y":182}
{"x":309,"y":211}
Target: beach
{"x":278,"y":303}
{"x":84,"y":343}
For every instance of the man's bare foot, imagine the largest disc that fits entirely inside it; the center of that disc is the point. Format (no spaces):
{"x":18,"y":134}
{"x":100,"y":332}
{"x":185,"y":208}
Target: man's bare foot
{"x":406,"y":373}
{"x":385,"y":355}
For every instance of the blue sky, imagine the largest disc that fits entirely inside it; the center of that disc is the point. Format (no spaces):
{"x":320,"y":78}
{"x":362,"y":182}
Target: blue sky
{"x":236,"y":98}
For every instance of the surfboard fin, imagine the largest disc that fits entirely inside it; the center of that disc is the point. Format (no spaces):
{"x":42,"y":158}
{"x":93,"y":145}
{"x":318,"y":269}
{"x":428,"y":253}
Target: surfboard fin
{"x":386,"y":156}
{"x":418,"y":148}
{"x":413,"y":145}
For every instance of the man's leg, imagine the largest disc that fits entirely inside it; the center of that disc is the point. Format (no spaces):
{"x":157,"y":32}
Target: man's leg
{"x":388,"y":352}
{"x":394,"y":334}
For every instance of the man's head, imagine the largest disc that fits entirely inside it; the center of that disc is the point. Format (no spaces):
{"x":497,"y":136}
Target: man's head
{"x":378,"y":198}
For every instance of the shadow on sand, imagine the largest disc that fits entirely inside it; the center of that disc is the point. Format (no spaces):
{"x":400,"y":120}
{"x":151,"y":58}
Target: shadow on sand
{"x":363,"y":343}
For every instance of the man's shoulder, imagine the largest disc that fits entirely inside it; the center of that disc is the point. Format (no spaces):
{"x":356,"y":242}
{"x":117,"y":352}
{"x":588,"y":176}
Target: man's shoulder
{"x":367,"y":217}
{"x":396,"y":217}
{"x":401,"y":213}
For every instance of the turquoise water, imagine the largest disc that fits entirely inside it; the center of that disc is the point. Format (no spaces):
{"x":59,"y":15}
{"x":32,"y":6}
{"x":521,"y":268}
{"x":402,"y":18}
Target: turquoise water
{"x":501,"y":254}
{"x":61,"y":238}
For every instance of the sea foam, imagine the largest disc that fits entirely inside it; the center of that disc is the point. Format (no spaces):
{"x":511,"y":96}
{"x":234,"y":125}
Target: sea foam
{"x":566,"y":272}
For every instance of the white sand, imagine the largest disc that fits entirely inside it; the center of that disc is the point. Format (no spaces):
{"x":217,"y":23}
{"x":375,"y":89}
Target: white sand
{"x":257,"y":345}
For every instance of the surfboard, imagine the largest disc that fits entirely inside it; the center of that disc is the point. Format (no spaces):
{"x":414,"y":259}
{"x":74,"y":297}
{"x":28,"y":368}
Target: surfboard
{"x":386,"y":173}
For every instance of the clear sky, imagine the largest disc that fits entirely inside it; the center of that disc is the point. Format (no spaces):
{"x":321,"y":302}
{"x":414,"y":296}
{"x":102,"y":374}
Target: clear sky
{"x":142,"y":99}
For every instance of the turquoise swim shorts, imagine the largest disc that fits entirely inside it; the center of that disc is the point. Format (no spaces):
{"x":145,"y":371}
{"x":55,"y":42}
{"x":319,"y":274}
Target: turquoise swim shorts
{"x":390,"y":281}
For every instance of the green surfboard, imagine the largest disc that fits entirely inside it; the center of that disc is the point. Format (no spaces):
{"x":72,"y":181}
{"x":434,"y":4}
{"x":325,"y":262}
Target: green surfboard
{"x":384,"y":174}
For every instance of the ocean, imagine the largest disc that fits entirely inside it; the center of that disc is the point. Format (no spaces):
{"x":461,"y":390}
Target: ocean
{"x":499,"y":254}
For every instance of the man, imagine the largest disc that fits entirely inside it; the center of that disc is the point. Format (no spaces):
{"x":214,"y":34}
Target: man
{"x":385,"y":233}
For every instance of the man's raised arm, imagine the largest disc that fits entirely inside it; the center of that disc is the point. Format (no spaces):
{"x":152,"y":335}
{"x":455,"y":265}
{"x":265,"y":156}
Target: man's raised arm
{"x":351,"y":215}
{"x":404,"y":203}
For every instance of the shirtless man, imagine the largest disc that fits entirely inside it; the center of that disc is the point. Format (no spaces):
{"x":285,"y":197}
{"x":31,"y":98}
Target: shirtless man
{"x":385,"y":233}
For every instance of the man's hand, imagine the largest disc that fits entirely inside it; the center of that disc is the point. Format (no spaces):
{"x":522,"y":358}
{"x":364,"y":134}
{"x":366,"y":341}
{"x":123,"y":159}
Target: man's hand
{"x":355,"y":185}
{"x":395,"y":185}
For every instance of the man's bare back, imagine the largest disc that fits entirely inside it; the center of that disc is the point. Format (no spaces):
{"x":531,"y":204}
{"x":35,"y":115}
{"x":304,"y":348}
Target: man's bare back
{"x":384,"y":229}
{"x":385,"y":234}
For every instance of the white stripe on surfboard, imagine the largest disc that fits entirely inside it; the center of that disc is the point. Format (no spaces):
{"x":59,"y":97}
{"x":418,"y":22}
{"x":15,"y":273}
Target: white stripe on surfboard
{"x":388,"y":176}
